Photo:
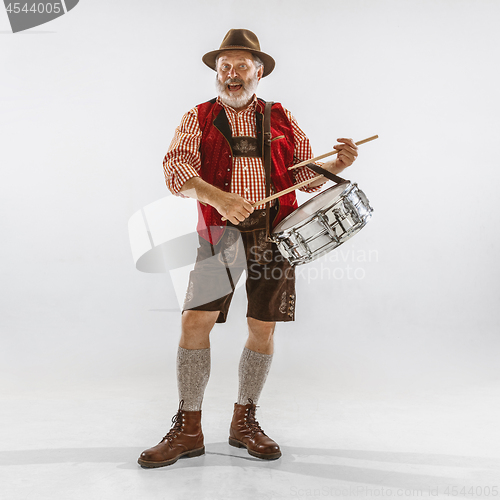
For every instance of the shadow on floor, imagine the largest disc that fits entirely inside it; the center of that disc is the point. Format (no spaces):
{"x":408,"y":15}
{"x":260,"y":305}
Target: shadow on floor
{"x":448,"y":469}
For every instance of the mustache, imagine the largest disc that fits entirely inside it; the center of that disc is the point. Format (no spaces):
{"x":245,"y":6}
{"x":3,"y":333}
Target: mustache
{"x":234,"y":80}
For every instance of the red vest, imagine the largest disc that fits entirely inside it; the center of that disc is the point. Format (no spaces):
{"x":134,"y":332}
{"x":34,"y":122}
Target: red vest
{"x":216,"y":161}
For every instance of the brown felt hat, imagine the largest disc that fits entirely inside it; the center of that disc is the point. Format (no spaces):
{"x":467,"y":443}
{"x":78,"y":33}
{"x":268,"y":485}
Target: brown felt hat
{"x":240,"y":39}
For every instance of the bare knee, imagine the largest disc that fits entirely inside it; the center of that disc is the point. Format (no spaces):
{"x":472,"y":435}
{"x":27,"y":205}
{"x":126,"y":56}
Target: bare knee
{"x":260,"y":336}
{"x":196,"y":328}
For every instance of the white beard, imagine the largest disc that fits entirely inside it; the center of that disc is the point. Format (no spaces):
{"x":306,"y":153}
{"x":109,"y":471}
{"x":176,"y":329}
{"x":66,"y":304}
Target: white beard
{"x":248,"y":90}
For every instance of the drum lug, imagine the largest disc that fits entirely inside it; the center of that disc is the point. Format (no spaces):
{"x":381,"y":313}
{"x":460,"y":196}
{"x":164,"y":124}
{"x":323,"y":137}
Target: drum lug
{"x":302,"y":244}
{"x":352,"y":211}
{"x":284,"y":251}
{"x":326,"y":223}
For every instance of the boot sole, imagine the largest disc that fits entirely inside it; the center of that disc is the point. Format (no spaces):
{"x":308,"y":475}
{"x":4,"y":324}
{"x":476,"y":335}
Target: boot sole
{"x":152,"y":465}
{"x":264,"y":456}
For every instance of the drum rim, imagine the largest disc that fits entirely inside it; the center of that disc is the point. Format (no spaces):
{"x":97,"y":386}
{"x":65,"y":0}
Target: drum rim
{"x":347,"y":185}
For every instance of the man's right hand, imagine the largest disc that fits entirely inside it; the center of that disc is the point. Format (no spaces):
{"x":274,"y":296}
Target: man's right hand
{"x":232,"y":206}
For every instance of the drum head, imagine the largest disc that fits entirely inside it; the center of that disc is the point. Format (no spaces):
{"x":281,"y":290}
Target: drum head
{"x":310,"y":207}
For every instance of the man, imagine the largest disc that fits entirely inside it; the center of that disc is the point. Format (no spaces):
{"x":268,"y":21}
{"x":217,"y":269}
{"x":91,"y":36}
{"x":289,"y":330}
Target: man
{"x":216,"y":158}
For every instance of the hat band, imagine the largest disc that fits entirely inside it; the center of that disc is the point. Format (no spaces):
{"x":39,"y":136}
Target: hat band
{"x":243,"y":47}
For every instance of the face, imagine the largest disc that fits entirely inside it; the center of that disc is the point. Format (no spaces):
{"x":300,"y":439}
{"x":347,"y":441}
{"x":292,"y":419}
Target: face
{"x":237,"y":78}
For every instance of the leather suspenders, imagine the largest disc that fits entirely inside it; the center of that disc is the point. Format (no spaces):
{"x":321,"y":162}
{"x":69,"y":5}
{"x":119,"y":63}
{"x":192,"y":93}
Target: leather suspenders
{"x":266,"y":151}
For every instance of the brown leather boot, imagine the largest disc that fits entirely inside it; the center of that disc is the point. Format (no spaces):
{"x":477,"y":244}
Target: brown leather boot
{"x":245,"y":432}
{"x":185,"y":438}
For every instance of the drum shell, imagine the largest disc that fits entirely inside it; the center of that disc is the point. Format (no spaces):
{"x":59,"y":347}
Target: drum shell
{"x":339,"y":213}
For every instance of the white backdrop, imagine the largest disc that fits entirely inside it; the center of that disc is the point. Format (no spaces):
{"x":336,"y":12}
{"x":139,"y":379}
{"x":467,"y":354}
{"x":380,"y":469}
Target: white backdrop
{"x":89,"y":105}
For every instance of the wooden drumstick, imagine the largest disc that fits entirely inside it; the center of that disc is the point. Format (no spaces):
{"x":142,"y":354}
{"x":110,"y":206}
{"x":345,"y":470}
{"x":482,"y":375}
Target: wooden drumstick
{"x":334,"y":152}
{"x":287,"y":190}
{"x":307,"y":181}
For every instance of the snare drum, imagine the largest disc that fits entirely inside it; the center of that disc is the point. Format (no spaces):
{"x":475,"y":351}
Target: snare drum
{"x":322,"y":223}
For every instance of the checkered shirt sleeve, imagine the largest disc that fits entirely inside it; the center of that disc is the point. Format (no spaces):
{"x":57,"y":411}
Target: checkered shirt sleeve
{"x":302,"y":152}
{"x":183,"y":159}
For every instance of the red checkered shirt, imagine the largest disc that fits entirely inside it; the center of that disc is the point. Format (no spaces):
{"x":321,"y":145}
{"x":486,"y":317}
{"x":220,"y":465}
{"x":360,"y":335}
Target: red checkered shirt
{"x":183,"y":159}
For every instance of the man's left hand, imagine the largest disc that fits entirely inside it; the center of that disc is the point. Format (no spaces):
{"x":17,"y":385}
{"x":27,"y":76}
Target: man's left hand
{"x":347,"y":154}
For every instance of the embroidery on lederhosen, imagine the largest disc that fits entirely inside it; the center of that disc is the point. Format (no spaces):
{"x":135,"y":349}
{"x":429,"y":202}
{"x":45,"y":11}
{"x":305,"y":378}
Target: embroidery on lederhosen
{"x":262,"y":251}
{"x":249,"y":222}
{"x":245,"y":146}
{"x":282,"y":307}
{"x":291,"y":306}
{"x":262,"y":242}
{"x":229,"y":250}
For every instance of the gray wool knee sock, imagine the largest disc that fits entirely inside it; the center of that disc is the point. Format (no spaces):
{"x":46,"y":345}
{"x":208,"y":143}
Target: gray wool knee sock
{"x":193,"y":371}
{"x":252,"y":372}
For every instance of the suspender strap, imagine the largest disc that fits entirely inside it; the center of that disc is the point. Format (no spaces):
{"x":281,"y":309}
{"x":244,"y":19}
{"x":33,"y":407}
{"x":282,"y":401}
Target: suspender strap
{"x":328,"y":175}
{"x":267,"y":161}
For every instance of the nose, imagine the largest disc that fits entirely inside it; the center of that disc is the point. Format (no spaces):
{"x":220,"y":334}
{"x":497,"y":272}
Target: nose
{"x":231,"y":73}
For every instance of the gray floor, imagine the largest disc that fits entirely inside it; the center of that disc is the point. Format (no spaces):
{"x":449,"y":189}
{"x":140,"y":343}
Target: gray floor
{"x":82,"y":440}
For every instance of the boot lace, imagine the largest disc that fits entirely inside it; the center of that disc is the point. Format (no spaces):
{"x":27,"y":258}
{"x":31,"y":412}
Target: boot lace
{"x":252,"y":423}
{"x":176,"y":424}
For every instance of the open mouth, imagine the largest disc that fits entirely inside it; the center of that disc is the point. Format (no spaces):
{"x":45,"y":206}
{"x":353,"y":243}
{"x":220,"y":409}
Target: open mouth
{"x":234,"y":87}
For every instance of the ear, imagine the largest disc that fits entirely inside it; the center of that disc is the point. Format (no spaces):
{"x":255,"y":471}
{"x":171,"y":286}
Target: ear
{"x":260,"y":72}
